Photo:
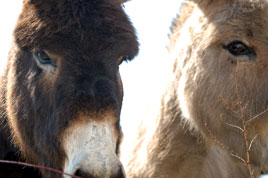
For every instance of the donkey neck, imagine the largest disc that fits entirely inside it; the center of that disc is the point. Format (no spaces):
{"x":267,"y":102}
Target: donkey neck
{"x":174,"y":143}
{"x":177,"y":150}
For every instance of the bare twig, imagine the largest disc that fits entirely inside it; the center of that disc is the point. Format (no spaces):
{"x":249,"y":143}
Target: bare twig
{"x":258,"y":115}
{"x":223,"y":145}
{"x":38,"y":167}
{"x":250,"y":145}
{"x":239,"y":128}
{"x":238,"y":157}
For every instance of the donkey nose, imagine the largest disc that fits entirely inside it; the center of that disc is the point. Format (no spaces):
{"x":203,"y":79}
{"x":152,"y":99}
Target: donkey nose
{"x":91,"y":151}
{"x":84,"y":174}
{"x":101,"y":91}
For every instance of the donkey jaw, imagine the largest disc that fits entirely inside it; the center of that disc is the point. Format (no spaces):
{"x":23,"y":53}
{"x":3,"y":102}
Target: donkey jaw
{"x":91,"y":148}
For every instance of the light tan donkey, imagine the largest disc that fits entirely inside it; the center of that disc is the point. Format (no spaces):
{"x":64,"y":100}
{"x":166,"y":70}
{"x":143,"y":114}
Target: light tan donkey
{"x":212,"y":121}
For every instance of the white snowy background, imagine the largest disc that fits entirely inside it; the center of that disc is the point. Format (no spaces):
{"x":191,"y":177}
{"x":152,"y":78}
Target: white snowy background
{"x":143,"y":77}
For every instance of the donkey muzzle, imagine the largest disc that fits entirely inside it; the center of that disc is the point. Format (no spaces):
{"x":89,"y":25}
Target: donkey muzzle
{"x":91,"y":151}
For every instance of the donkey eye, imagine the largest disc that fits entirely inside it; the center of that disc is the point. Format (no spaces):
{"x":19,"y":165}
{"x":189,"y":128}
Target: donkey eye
{"x":238,"y":48}
{"x":43,"y":58}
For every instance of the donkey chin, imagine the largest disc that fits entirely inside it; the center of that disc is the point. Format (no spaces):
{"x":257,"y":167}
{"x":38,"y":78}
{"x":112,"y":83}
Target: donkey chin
{"x":90,"y":149}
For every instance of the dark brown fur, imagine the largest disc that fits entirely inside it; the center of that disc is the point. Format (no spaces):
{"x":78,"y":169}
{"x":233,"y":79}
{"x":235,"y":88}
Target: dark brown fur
{"x":89,"y":36}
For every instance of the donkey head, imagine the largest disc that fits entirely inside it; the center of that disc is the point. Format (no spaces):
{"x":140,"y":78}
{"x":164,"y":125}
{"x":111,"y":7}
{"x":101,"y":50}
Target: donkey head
{"x":223,"y":73}
{"x":64,"y":91}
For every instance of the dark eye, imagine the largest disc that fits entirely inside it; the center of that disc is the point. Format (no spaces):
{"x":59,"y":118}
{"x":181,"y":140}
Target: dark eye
{"x":238,"y":48}
{"x":44,"y":58}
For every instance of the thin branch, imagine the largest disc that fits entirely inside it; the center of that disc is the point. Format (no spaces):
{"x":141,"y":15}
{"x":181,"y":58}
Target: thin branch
{"x":233,"y":153}
{"x":38,"y":167}
{"x":255,"y":117}
{"x":250,"y":145}
{"x":231,"y":125}
{"x":238,"y":157}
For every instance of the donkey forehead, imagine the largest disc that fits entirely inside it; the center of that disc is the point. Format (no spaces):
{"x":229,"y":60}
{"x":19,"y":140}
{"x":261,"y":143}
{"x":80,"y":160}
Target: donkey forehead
{"x":81,"y":22}
{"x":247,"y":11}
{"x":244,"y":20}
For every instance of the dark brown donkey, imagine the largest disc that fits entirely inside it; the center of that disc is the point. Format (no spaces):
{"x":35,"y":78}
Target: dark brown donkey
{"x":61,"y":92}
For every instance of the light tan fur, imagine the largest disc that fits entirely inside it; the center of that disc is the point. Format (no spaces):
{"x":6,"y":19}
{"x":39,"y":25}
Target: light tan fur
{"x":213,"y":114}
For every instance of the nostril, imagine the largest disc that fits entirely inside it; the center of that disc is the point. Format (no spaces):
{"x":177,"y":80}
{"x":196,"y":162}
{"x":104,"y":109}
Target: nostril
{"x":83,"y":174}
